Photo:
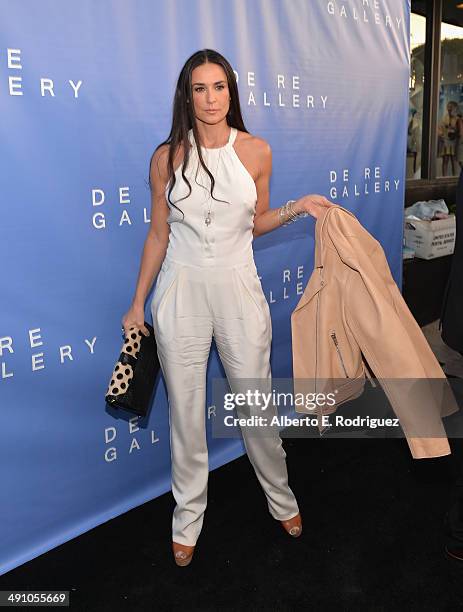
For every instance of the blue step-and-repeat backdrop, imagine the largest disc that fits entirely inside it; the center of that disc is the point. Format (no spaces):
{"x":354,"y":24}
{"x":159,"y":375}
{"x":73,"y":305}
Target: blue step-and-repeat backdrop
{"x":86,"y":94}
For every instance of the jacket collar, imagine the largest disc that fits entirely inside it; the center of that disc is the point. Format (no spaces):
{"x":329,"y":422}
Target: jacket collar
{"x":320,"y":231}
{"x":317,"y":281}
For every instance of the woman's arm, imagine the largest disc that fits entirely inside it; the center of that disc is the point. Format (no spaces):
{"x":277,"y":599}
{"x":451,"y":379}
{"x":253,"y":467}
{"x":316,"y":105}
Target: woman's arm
{"x":266,"y":219}
{"x":156,"y":241}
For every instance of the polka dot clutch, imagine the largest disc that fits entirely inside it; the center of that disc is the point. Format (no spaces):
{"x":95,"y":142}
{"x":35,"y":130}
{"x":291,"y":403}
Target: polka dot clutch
{"x":132,"y":381}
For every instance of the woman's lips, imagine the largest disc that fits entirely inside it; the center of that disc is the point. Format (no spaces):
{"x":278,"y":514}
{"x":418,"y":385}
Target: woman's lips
{"x":212,"y":111}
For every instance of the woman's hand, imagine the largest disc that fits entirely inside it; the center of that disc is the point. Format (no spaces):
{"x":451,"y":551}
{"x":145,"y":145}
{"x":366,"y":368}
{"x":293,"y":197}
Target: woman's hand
{"x":312,"y":204}
{"x":135,"y":316}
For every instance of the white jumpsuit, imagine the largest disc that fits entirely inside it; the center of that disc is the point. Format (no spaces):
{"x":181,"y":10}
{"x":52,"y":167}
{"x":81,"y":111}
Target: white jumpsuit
{"x":208,"y":286}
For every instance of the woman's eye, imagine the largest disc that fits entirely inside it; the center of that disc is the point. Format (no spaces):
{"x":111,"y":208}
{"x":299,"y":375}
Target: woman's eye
{"x":200,"y":88}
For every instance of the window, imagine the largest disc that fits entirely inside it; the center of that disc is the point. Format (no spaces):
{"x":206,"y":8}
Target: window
{"x":416,"y":88}
{"x":435,"y":118}
{"x":449,"y":153}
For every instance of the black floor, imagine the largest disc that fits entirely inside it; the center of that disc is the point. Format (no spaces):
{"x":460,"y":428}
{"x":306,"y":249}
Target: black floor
{"x":372,"y":540}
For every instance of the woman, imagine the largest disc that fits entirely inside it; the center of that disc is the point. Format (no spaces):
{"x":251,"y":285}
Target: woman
{"x":448,"y":131}
{"x":208,"y":284}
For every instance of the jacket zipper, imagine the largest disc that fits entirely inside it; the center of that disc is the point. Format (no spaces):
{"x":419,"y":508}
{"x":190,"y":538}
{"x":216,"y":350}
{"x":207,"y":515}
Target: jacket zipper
{"x":316,"y":343}
{"x":372,"y":382}
{"x":336,"y":344}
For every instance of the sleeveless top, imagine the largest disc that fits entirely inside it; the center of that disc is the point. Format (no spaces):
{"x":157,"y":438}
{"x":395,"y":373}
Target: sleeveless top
{"x":227,"y":239}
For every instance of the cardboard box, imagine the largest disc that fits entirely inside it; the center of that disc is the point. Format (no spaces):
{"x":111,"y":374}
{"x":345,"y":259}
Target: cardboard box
{"x":430,"y":239}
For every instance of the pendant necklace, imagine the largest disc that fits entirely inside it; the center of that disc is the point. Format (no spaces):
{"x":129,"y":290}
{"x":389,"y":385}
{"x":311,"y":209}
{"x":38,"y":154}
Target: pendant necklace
{"x":210,"y":215}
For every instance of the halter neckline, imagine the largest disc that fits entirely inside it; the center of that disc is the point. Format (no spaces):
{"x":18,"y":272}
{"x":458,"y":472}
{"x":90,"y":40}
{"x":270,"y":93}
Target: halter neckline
{"x":230,"y":141}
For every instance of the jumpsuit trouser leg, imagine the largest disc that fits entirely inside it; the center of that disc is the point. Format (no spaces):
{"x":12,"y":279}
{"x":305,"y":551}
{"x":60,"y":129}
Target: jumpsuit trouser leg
{"x":191,"y":305}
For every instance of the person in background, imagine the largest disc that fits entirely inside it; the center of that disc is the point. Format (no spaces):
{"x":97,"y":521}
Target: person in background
{"x":451,"y":322}
{"x":448,"y":131}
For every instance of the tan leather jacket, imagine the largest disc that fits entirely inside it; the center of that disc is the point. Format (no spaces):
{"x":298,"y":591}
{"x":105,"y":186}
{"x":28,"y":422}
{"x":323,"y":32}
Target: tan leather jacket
{"x":352,"y":317}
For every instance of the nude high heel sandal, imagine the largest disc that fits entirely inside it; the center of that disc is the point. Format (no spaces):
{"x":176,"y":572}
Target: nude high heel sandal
{"x":293,"y":525}
{"x":182,"y":554}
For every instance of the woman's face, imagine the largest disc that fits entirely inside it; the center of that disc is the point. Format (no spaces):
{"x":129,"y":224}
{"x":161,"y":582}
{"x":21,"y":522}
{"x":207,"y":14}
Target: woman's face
{"x":210,"y":92}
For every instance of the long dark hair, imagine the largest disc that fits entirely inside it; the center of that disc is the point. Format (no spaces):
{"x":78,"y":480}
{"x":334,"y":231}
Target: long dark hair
{"x":183,"y":117}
